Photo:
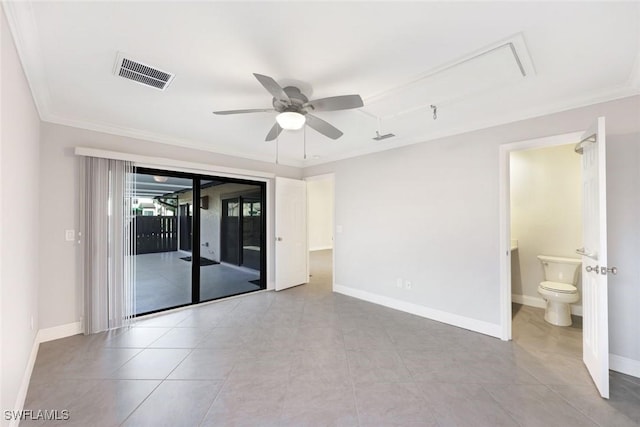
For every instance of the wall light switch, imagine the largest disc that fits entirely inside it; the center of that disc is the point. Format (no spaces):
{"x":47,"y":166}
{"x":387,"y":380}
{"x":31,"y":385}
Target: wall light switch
{"x":407,"y":284}
{"x":69,"y":235}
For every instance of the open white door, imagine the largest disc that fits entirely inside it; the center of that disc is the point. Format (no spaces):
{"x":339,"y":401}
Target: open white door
{"x":291,"y":233}
{"x":595,"y":333}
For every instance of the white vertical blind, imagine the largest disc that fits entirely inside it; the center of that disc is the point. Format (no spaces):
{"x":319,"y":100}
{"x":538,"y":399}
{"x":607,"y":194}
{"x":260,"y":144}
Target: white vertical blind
{"x":107,"y":226}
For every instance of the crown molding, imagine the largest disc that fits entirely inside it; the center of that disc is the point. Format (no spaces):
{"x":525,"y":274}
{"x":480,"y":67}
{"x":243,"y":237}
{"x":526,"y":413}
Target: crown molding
{"x":620,"y":92}
{"x":23,"y":27}
{"x":112,"y":129}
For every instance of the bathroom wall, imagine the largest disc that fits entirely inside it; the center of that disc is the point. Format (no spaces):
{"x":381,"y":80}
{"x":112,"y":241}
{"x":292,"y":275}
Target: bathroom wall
{"x":546,"y":214}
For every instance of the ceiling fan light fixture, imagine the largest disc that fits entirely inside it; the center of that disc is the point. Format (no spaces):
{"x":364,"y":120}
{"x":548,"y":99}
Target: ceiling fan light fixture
{"x":157,"y":178}
{"x":290,"y":120}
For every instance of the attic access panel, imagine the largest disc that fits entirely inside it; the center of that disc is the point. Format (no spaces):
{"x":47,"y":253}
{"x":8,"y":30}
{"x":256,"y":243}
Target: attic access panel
{"x":496,"y":66}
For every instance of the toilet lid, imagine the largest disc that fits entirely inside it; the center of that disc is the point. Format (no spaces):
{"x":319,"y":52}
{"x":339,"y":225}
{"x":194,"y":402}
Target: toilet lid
{"x":563,"y":288}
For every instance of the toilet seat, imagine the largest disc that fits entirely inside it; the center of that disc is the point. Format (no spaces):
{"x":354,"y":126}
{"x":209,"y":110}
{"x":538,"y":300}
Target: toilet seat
{"x":561,"y":288}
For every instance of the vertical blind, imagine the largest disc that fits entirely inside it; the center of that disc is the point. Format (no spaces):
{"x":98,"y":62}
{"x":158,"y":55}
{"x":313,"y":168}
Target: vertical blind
{"x":107,"y":227}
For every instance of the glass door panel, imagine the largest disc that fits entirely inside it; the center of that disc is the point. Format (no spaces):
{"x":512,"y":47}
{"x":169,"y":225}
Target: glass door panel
{"x":231,"y":238}
{"x":163,"y":275}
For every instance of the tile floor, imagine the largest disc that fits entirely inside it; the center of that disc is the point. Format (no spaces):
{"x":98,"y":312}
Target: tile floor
{"x":307,"y":356}
{"x":164,"y":280}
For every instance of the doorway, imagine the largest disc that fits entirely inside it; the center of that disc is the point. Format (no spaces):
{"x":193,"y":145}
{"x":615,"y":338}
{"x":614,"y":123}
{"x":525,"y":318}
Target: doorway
{"x":230,"y":231}
{"x":241,"y":230}
{"x":184,"y":225}
{"x":546,"y":226}
{"x":321,"y":226}
{"x":591,"y":145}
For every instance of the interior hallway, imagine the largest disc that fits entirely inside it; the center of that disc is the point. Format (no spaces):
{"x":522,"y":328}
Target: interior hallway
{"x":307,"y":356}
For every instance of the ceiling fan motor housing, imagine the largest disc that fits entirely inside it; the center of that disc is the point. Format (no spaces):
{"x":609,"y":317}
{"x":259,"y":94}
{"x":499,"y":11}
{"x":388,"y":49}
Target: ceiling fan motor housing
{"x":297,"y":98}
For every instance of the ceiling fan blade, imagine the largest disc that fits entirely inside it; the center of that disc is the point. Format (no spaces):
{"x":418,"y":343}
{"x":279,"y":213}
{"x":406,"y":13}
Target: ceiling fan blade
{"x":274,"y":132}
{"x":323,"y":127}
{"x":253,"y":110}
{"x":334,"y":103}
{"x":273,"y":88}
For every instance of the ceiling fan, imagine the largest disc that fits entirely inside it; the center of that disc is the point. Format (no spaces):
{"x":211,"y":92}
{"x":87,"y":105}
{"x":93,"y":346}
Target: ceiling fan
{"x":294,"y":108}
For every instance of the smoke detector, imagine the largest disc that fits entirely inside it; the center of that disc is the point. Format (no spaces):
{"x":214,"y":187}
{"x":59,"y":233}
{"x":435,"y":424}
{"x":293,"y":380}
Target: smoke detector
{"x":142,"y":73}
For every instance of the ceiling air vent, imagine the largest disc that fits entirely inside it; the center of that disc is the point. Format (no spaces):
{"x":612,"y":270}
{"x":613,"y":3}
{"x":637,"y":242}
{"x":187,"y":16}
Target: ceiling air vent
{"x":142,"y":73}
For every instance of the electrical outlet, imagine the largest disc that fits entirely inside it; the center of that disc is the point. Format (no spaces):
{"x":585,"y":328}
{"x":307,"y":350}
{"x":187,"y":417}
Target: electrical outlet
{"x":407,"y":285}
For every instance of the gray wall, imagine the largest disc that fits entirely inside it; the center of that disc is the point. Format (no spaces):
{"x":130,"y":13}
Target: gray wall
{"x":61,"y":293}
{"x":429,"y":213}
{"x":19,"y":213}
{"x":623,"y":226}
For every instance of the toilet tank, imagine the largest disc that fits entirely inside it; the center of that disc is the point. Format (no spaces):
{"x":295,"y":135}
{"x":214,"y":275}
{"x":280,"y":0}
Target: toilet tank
{"x":559,"y":269}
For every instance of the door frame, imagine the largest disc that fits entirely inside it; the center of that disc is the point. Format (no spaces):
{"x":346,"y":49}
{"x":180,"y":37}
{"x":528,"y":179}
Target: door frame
{"x":505,"y":217}
{"x":332,"y":178}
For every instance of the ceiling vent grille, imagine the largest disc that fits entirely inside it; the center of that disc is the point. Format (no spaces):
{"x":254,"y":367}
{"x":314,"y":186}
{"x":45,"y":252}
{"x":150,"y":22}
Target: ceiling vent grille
{"x":142,"y":73}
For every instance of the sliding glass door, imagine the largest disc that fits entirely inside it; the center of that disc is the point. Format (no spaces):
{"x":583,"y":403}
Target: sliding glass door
{"x":197,"y":238}
{"x":224,"y":245}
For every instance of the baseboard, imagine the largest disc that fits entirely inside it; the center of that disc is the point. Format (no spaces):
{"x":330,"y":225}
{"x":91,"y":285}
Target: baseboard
{"x":26,"y":379}
{"x":576,"y":310}
{"x":624,"y":365}
{"x":482,"y":327}
{"x":57,"y":332}
{"x":43,"y":335}
{"x":320,"y":248}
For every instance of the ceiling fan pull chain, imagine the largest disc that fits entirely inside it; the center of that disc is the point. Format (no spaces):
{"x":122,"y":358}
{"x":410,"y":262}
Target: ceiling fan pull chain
{"x":277,"y":148}
{"x":304,"y":138}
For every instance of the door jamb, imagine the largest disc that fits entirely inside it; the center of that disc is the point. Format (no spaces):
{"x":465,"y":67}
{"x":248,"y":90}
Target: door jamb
{"x":505,"y":217}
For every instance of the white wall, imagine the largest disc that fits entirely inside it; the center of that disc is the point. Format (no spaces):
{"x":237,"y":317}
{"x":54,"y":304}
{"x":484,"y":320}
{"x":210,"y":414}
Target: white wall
{"x":61,"y":294}
{"x":20,"y":210}
{"x":320,"y":214}
{"x":432,"y":216}
{"x":546,"y":211}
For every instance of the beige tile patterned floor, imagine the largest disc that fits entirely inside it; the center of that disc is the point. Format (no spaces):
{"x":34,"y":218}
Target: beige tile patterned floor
{"x":307,"y":357}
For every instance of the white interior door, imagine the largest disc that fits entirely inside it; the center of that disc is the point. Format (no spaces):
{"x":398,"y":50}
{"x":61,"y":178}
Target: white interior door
{"x":595,"y":331}
{"x":291,"y":233}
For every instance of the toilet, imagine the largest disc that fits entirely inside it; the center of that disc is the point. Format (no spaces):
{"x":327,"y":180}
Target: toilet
{"x":559,"y":288}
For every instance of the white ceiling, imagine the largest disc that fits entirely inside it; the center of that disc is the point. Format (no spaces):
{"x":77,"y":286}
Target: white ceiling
{"x":400,"y":57}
